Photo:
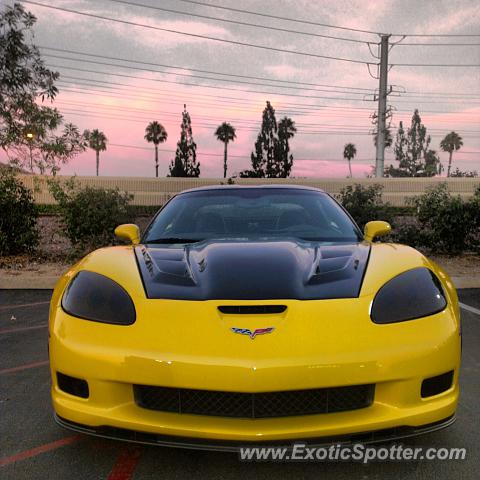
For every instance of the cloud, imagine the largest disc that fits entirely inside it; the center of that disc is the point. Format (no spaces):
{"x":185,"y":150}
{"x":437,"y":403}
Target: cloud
{"x":456,"y":19}
{"x":284,"y":71}
{"x":210,"y":102}
{"x":154,"y":40}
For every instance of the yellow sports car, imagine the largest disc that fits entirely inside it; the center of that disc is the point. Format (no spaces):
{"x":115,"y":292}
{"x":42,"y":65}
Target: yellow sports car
{"x":251,"y":315}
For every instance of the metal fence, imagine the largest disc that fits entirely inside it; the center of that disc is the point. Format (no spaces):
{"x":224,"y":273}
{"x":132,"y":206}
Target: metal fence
{"x":156,"y":191}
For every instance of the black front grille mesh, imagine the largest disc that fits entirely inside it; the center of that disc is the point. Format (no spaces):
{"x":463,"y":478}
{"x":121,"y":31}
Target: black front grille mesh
{"x":254,"y":405}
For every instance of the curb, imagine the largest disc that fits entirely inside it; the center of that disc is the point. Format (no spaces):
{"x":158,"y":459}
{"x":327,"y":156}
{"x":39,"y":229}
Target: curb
{"x":12,"y":282}
{"x":466,"y":282}
{"x":28,"y":283}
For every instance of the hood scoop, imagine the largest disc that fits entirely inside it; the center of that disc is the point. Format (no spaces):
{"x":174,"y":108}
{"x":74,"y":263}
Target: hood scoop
{"x":165,"y":266}
{"x":286,"y":269}
{"x":251,"y":309}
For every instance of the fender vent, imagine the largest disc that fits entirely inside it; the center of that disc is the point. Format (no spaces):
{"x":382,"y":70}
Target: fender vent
{"x":252,"y":309}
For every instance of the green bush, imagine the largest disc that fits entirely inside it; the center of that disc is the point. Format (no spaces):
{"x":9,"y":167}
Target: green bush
{"x":445,"y":223}
{"x":18,"y":216}
{"x":365,"y":203}
{"x":133,"y":210}
{"x":89,"y":215}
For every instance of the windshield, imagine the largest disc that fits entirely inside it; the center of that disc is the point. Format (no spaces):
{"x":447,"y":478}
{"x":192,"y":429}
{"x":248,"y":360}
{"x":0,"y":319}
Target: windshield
{"x":252,"y":213}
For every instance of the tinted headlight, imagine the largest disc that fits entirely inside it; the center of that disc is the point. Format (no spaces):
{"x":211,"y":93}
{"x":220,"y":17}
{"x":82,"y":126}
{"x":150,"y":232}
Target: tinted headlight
{"x":95,"y":297}
{"x":412,"y":294}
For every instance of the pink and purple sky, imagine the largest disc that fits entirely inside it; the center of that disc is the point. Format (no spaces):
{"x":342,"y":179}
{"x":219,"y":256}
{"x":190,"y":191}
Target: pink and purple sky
{"x":122,"y":97}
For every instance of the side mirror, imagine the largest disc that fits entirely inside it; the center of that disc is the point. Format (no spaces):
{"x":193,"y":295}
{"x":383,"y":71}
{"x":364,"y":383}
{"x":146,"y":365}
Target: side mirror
{"x":376,"y":228}
{"x":128,"y":231}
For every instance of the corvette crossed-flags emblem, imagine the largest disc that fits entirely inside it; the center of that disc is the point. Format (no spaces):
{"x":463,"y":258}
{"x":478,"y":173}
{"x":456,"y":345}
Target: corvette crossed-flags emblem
{"x":252,"y":333}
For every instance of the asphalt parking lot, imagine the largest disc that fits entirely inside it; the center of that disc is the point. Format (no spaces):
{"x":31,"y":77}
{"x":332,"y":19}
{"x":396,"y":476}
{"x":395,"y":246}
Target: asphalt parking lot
{"x":32,"y":446}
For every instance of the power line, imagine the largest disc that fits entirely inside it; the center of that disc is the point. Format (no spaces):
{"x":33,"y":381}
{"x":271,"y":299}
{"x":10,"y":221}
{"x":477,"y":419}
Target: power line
{"x":417,"y":44}
{"x":468,"y":99}
{"x":207,"y":154}
{"x":213,"y":125}
{"x":233,"y":120}
{"x":215,"y":87}
{"x":254,"y":126}
{"x":241,"y":122}
{"x":205,"y":86}
{"x":439,"y":35}
{"x":157,"y":112}
{"x":277,"y":17}
{"x":441,"y":94}
{"x":356,"y":90}
{"x":468,"y":65}
{"x":304,"y":108}
{"x":129,"y":67}
{"x":173,"y":151}
{"x":231,"y":104}
{"x":210,"y":72}
{"x":196,"y":35}
{"x":251,"y":129}
{"x":250,"y":12}
{"x":237,"y":22}
{"x":223,"y":98}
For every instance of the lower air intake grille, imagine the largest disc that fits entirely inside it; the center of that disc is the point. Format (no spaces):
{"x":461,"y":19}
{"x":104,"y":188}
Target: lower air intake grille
{"x":254,"y":405}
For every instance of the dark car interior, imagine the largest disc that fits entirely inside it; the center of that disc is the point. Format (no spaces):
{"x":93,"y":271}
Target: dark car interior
{"x":255,"y":213}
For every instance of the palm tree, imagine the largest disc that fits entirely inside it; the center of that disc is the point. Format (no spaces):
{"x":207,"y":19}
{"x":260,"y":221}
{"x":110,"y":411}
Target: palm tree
{"x":286,"y":130}
{"x":156,"y":133}
{"x":225,"y":133}
{"x":349,"y":152}
{"x":452,"y":141}
{"x":97,"y":141}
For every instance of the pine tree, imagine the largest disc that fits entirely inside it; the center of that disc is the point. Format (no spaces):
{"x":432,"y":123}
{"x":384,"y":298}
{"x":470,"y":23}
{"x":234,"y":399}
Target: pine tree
{"x":433,"y":166}
{"x":286,"y":130}
{"x":412,"y":151}
{"x":271,"y":158}
{"x":185,"y":163}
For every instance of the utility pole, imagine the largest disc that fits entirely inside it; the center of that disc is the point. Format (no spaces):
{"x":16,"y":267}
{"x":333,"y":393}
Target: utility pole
{"x":382,"y":106}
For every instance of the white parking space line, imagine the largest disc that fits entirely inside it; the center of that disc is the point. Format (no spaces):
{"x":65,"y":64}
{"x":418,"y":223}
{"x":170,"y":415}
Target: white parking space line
{"x":468,"y":308}
{"x":22,"y":305}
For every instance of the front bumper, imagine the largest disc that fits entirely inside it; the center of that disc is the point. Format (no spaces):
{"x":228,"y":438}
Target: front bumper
{"x":378,"y":436}
{"x":316,"y":344}
{"x":121,"y":413}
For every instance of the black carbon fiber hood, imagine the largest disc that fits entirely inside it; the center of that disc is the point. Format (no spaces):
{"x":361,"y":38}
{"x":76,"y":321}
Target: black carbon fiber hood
{"x":253,"y":270}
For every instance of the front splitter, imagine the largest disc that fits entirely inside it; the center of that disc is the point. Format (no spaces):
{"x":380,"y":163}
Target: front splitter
{"x":377,"y":436}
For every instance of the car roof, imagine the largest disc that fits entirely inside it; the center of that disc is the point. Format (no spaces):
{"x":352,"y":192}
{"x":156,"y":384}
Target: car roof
{"x":252,"y":187}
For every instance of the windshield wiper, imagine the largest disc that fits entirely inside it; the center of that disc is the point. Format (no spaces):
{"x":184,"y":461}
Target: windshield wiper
{"x":174,"y":240}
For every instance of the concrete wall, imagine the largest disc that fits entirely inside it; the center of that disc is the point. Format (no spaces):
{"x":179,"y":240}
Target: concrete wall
{"x":156,"y":191}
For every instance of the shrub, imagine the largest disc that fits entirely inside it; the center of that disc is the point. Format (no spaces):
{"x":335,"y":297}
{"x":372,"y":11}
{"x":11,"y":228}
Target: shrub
{"x":445,"y":223}
{"x":18,"y":216}
{"x":365,"y":203}
{"x":89,"y":215}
